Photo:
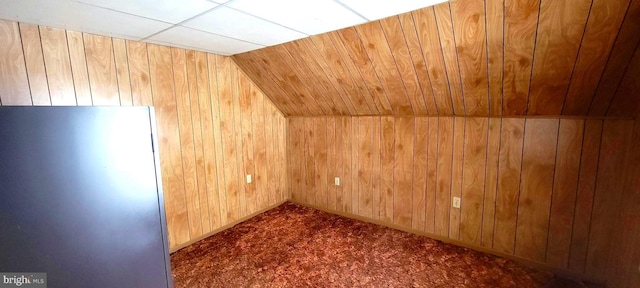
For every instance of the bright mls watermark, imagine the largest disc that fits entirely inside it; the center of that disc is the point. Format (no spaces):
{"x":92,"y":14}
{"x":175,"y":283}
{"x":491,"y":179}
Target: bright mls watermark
{"x":23,"y":280}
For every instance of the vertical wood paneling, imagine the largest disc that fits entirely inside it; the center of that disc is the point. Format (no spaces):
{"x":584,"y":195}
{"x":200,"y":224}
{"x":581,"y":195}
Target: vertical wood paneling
{"x":457,"y":174}
{"x":14,"y":84}
{"x":520,"y":29}
{"x":169,"y":138}
{"x":419,"y":63}
{"x":509,"y":167}
{"x":560,"y":30}
{"x":79,"y":67}
{"x":495,"y":54}
{"x":354,"y":90}
{"x":536,"y":185}
{"x":584,"y":196}
{"x":34,"y":61}
{"x":332,"y":163}
{"x":432,"y":179}
{"x":602,"y":28}
{"x":473,"y":179}
{"x":219,"y":160}
{"x":526,"y":185}
{"x":448,"y":46}
{"x":565,"y":184}
{"x":365,"y":166}
{"x":259,"y":146}
{"x":392,"y":30}
{"x":296,"y":147}
{"x":184,"y":88}
{"x":377,"y":167}
{"x":193,"y":75}
{"x":309,"y":162}
{"x":228,"y":136}
{"x":247,"y":142}
{"x":443,"y":174}
{"x":102,"y":70}
{"x":623,"y":49}
{"x":320,"y":131}
{"x":491,"y":57}
{"x":237,"y":123}
{"x":469,"y":23}
{"x":357,"y":52}
{"x":387,"y":164}
{"x":616,"y":135}
{"x":340,"y":151}
{"x":403,"y":180}
{"x":491,"y":182}
{"x":58,"y":66}
{"x":420,"y":173}
{"x":139,"y":73}
{"x":427,"y":30}
{"x":187,"y":147}
{"x":122,"y":72}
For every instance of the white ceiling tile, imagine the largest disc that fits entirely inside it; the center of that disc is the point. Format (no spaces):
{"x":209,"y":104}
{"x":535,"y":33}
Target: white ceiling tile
{"x":172,"y":11}
{"x":310,"y":17}
{"x":203,"y":41}
{"x":186,"y":47}
{"x":228,"y":22}
{"x":79,"y":17}
{"x":378,"y":9}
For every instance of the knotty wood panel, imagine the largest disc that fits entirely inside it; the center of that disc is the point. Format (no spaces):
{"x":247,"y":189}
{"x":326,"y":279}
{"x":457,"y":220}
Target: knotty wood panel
{"x":464,"y":57}
{"x":183,"y":86}
{"x":527,"y":185}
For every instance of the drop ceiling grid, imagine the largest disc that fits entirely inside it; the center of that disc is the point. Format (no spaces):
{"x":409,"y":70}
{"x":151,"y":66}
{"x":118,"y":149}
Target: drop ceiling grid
{"x":222,"y":27}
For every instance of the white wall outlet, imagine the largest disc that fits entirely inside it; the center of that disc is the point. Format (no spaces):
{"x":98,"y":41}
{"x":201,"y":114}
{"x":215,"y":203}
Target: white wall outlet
{"x":337,"y":181}
{"x":248,"y":178}
{"x":456,"y":202}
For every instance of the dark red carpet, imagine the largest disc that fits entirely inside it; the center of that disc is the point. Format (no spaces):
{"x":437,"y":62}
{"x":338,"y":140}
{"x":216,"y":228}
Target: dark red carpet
{"x":295,"y":246}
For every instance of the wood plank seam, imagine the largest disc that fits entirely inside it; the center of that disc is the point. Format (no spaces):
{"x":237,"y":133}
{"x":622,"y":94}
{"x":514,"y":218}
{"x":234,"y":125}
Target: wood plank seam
{"x":555,"y":165}
{"x":621,"y":80}
{"x":533,"y":60}
{"x":184,"y":192}
{"x":575,"y":202}
{"x":613,"y":44}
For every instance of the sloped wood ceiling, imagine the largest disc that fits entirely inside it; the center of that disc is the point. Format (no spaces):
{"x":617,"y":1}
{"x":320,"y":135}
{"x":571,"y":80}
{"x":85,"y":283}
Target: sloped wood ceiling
{"x":466,"y":57}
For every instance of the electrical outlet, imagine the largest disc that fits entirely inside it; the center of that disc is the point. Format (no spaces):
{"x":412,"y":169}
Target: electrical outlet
{"x":456,"y":202}
{"x":248,"y":178}
{"x":337,"y":181}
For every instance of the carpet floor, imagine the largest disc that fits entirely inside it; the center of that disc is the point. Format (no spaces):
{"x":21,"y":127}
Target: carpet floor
{"x":296,"y":246}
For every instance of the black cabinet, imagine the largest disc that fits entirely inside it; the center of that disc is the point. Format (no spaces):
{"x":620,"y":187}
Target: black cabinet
{"x":81,"y":196}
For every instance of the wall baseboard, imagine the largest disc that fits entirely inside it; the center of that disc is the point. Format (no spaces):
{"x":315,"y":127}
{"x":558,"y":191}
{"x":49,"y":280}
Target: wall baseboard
{"x":530,"y":263}
{"x":225,"y":227}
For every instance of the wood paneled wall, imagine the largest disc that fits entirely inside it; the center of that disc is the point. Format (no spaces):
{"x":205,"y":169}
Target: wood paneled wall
{"x":545,"y":190}
{"x":464,"y":57}
{"x":625,"y":260}
{"x":214,"y":124}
